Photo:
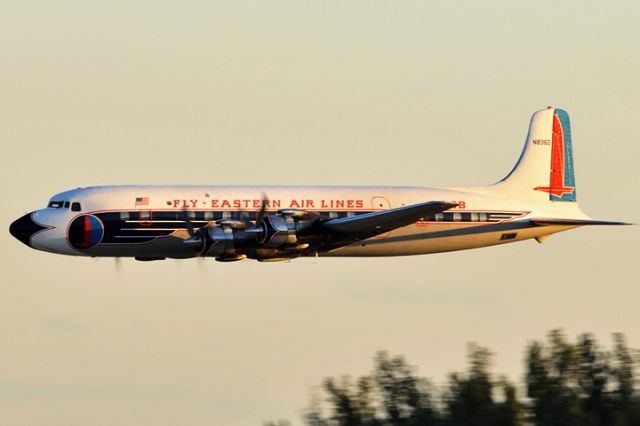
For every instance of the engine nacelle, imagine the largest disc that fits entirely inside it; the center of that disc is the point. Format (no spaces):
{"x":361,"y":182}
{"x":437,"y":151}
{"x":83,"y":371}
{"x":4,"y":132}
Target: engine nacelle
{"x":275,"y":236}
{"x":278,"y":230}
{"x":220,"y":241}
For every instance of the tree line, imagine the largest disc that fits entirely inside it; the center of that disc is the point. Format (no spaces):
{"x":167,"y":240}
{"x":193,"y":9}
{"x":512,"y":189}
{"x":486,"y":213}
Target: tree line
{"x":565,"y":383}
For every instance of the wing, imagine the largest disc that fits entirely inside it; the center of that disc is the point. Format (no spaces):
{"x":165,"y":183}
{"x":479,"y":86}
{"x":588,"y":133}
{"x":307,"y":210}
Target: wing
{"x":371,"y":224}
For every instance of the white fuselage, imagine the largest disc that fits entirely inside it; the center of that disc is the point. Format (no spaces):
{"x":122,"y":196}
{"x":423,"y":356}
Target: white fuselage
{"x":537,"y":198}
{"x":147,"y":229}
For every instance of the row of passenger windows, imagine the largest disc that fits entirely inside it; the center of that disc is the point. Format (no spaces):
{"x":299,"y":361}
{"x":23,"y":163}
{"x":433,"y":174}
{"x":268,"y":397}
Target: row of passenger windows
{"x":251,"y":215}
{"x":210,"y":215}
{"x":75,"y":206}
{"x":458,"y":217}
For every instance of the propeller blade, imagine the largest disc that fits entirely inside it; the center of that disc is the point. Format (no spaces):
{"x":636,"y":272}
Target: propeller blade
{"x":188,"y":224}
{"x":263,"y":208}
{"x":201,"y":267}
{"x":258,"y":228}
{"x":118,"y":266}
{"x":195,"y":238}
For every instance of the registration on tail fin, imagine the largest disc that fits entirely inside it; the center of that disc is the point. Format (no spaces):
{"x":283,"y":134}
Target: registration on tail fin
{"x":545,"y":169}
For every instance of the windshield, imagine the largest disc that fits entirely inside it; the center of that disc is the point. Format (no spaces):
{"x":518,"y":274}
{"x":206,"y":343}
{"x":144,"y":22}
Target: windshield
{"x":55,"y":204}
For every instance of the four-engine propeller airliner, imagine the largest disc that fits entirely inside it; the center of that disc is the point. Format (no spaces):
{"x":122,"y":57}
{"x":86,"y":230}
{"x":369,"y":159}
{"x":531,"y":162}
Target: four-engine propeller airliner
{"x":269,"y":223}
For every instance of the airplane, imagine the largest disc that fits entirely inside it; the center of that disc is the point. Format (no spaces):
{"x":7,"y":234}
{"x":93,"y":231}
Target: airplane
{"x":278,"y":223}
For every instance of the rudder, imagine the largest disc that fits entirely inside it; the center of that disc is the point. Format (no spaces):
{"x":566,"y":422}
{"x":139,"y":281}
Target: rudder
{"x":545,"y":170}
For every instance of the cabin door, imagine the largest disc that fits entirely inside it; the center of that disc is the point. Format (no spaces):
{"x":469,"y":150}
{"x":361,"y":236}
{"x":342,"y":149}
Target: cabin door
{"x":379,"y":203}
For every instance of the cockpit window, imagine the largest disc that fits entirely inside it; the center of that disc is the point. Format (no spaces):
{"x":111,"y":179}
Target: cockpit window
{"x":55,"y":204}
{"x":66,"y":204}
{"x":75,"y":207}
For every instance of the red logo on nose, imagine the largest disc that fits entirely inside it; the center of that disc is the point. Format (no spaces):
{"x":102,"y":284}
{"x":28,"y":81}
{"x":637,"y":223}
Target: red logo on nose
{"x":85,"y":232}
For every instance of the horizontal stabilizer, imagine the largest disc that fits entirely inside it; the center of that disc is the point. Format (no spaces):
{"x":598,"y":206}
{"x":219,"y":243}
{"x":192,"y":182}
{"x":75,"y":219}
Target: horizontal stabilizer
{"x":378,"y":222}
{"x":576,"y":222}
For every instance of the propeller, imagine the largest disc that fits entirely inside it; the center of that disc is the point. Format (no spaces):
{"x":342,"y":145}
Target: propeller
{"x":194,"y":239}
{"x":226,"y":232}
{"x":118,"y":266}
{"x":263,"y":208}
{"x":258,"y":228}
{"x":201,"y":267}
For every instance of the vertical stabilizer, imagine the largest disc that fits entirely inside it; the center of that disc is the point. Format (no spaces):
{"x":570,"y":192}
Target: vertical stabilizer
{"x":545,"y":170}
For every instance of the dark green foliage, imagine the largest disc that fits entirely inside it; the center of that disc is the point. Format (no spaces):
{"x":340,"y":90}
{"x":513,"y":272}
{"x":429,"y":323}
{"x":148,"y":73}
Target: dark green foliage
{"x":470,"y":398}
{"x":580,"y":384}
{"x":391,"y":395}
{"x":394,"y":396}
{"x":550,"y":378}
{"x":351,"y":405}
{"x":406,"y":399}
{"x":567,"y":384}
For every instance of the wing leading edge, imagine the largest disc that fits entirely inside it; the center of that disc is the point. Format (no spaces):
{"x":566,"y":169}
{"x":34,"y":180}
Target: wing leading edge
{"x":374,"y":223}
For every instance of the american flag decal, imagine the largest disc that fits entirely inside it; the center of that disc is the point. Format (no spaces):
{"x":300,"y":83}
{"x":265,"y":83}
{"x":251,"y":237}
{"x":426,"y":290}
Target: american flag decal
{"x":142,"y":201}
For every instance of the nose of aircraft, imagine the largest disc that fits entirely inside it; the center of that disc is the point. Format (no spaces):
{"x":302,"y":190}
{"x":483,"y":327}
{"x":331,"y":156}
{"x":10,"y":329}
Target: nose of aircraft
{"x":24,"y":228}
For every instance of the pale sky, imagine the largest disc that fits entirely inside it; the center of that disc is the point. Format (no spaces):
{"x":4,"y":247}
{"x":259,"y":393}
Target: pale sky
{"x":300,"y":92}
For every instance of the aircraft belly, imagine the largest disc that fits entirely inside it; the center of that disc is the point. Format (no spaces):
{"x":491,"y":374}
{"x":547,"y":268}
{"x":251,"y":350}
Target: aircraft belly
{"x":438,"y":240}
{"x":410,"y":240}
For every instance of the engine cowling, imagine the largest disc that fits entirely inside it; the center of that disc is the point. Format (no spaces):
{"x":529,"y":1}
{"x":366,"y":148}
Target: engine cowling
{"x":278,"y":230}
{"x":276,"y":235}
{"x":281,"y":230}
{"x":220,"y":242}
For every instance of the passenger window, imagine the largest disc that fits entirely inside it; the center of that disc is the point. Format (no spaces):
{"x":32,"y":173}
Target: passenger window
{"x":145,"y":218}
{"x":75,"y":207}
{"x":124,"y":215}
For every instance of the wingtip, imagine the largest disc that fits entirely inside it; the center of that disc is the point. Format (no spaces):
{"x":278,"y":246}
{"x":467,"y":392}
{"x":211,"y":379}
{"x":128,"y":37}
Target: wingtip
{"x":611,"y":222}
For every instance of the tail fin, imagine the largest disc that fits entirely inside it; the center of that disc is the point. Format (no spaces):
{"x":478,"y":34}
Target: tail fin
{"x":544,"y":171}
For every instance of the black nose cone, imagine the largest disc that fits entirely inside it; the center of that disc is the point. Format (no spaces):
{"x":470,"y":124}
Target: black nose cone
{"x":24,"y":228}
